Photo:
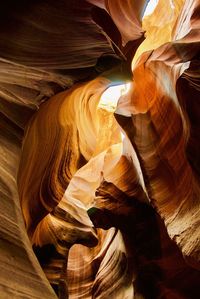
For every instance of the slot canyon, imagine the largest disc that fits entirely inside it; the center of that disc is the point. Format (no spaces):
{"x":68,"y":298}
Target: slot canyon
{"x":100,"y":149}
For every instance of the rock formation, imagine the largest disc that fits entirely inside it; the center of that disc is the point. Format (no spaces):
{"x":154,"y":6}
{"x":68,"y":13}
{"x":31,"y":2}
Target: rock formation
{"x":96,"y":203}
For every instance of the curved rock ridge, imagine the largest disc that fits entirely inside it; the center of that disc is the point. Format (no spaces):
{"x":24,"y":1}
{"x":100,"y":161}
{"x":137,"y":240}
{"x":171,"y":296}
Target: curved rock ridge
{"x":126,"y":15}
{"x":20,"y":275}
{"x":87,"y":267}
{"x":60,"y":138}
{"x":71,"y":123}
{"x":42,"y":34}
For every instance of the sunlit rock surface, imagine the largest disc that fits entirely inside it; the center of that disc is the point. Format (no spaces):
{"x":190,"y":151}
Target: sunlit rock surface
{"x":161,"y":129}
{"x":96,"y":204}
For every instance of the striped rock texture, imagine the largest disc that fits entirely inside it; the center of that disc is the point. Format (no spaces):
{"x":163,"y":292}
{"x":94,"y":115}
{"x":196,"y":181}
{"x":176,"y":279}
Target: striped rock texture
{"x":86,"y":213}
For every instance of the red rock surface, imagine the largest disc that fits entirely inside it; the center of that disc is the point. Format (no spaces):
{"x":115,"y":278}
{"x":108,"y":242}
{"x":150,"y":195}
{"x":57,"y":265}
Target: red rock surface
{"x":85,"y":213}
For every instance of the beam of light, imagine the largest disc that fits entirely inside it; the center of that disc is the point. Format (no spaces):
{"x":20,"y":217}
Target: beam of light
{"x":111,"y":96}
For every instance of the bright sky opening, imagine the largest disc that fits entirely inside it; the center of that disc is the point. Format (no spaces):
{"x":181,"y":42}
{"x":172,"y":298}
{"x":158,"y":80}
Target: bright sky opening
{"x":111,"y":96}
{"x":150,"y":7}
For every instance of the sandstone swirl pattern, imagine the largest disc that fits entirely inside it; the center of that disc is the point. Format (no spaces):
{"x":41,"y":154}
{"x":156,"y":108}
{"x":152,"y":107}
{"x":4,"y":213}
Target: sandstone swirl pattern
{"x":106,"y":216}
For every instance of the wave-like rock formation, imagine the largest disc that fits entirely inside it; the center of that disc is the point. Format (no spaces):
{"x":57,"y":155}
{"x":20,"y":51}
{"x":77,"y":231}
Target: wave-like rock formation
{"x":161,"y":133}
{"x":97,"y":204}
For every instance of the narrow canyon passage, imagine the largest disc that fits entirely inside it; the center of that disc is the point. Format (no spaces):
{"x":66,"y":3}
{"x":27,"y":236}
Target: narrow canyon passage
{"x":99,"y":147}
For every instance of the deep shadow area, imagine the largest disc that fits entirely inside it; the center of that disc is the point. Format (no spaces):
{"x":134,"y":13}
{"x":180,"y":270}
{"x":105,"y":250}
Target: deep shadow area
{"x":161,"y":269}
